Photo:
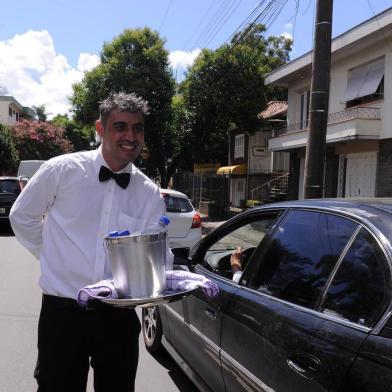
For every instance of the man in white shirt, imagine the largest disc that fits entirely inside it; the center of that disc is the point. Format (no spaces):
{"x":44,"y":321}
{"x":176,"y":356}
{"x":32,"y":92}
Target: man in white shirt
{"x":62,"y":216}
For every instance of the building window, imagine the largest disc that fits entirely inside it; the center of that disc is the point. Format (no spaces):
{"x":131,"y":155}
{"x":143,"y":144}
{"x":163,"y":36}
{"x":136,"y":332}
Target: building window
{"x":365,"y":84}
{"x":17,"y":116}
{"x":10,"y":112}
{"x":239,"y":146}
{"x":304,"y":102}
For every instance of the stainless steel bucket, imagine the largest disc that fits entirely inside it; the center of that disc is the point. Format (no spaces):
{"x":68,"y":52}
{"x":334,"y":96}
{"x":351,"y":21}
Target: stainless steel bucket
{"x":138,"y":264}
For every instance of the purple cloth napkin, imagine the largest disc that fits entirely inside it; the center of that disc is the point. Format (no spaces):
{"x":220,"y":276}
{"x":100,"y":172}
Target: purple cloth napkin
{"x":175,"y":281}
{"x":184,"y":280}
{"x":102,"y":289}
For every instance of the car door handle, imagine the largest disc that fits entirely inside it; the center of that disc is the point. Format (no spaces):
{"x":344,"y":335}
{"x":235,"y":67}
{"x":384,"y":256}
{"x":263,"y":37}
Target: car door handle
{"x":211,"y":313}
{"x":304,"y":364}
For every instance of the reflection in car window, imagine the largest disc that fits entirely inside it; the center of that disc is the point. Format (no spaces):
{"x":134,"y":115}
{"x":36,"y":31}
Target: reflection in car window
{"x":9,"y":186}
{"x":248,"y":236}
{"x":360,"y":289}
{"x":303,"y":251}
{"x":177,"y":204}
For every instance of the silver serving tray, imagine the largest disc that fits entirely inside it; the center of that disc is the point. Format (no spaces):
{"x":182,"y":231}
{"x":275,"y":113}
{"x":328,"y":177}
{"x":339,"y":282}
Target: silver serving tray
{"x":166,"y":297}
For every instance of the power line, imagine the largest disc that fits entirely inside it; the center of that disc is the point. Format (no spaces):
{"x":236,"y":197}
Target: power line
{"x":268,"y":15}
{"x":165,"y":16}
{"x":200,"y":23}
{"x":223,"y":21}
{"x":381,"y":28}
{"x":211,"y":23}
{"x":246,"y":20}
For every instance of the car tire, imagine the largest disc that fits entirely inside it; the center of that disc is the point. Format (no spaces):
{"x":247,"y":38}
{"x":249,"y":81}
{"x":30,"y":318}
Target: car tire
{"x":152,"y":329}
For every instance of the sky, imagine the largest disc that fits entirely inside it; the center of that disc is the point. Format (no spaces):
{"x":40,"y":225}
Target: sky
{"x":47,"y":45}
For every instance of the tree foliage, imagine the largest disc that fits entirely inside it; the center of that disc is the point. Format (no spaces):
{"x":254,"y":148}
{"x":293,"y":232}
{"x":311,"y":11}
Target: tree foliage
{"x":225,"y":88}
{"x":39,"y":140}
{"x":8,"y":155}
{"x":135,"y":61}
{"x":80,"y":138}
{"x":41,"y":112}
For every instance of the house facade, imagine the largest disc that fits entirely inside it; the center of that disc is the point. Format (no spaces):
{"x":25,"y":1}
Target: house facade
{"x":359,"y":132}
{"x":250,"y":163}
{"x":11,"y":111}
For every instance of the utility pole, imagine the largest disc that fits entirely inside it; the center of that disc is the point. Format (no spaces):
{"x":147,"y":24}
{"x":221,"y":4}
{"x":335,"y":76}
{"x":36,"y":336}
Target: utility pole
{"x":319,"y":96}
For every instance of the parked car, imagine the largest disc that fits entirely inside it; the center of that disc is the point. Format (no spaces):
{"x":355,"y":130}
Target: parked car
{"x":184,"y":229}
{"x":10,"y":187}
{"x":311,"y":312}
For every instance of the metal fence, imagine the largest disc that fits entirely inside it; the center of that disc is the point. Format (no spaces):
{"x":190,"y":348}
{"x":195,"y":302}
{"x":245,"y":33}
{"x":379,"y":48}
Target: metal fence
{"x":203,"y":187}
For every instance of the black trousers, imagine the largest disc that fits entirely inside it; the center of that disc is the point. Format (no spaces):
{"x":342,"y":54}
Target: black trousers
{"x":70,"y":338}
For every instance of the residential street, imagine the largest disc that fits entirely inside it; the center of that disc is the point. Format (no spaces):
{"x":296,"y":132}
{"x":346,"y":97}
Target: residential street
{"x":19,"y":309}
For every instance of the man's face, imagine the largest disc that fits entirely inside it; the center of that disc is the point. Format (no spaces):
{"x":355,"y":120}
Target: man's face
{"x":122,"y":138}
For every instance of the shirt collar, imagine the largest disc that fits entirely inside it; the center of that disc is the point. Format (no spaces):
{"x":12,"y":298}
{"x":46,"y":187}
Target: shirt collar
{"x":100,"y":161}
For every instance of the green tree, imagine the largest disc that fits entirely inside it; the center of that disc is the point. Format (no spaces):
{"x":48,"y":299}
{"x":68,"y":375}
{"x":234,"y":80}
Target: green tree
{"x":135,"y":61}
{"x":225,"y":88}
{"x":81,"y":138}
{"x":39,"y":140}
{"x":8,"y":155}
{"x":41,"y":112}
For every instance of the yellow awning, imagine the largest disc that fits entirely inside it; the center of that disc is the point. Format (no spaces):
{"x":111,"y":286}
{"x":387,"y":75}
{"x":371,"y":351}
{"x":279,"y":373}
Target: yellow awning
{"x":236,"y":169}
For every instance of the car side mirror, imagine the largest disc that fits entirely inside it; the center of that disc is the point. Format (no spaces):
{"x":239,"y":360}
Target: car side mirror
{"x":181,"y":256}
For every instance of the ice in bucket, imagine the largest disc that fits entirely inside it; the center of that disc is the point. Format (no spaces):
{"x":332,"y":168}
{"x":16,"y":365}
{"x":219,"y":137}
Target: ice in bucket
{"x":138,"y":262}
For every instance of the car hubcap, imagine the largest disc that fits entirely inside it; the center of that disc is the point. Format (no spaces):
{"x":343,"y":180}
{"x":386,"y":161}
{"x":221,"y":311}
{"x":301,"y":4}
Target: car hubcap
{"x":150,"y":324}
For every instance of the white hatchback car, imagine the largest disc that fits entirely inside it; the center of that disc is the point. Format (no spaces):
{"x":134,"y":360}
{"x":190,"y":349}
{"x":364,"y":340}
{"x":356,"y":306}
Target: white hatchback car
{"x":184,"y":229}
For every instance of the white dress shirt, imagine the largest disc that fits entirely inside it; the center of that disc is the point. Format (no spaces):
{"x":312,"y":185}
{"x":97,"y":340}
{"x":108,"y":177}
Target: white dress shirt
{"x":64,"y":213}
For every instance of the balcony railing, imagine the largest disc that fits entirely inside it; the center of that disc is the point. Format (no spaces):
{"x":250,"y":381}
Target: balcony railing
{"x":333,"y":118}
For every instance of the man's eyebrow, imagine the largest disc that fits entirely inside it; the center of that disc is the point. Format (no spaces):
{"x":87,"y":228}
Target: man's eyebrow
{"x":119,"y":123}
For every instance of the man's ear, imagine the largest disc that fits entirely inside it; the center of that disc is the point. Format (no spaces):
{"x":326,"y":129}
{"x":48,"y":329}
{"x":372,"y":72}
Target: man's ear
{"x":100,"y":129}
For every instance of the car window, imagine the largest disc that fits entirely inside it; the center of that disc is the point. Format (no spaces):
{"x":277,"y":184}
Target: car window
{"x":360,"y":290}
{"x":177,"y":204}
{"x":9,"y":186}
{"x":248,"y":236}
{"x":301,"y":256}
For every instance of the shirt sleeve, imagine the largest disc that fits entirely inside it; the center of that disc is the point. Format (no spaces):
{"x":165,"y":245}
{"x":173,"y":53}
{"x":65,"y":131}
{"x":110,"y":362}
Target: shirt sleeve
{"x":237,"y":276}
{"x":27,"y":213}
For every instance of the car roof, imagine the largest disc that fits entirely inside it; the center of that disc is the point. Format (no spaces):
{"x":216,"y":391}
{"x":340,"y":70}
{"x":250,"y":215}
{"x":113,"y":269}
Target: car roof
{"x":172,"y":192}
{"x":374,"y":212}
{"x":8,"y":178}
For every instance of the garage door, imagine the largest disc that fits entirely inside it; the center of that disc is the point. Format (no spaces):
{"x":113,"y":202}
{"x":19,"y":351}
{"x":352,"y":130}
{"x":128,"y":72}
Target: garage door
{"x":361,"y":174}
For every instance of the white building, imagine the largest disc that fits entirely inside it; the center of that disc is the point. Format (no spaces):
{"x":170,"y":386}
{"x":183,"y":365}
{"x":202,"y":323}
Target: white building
{"x":11,"y":111}
{"x":359,"y":132}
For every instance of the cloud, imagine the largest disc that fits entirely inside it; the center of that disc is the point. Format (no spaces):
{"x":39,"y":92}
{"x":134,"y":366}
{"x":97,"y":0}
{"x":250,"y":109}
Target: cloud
{"x":182,"y":59}
{"x":286,"y":35}
{"x":33,"y":73}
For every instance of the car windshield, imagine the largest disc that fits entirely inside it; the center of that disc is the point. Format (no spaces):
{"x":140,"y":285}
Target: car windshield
{"x":9,"y":186}
{"x":177,"y":204}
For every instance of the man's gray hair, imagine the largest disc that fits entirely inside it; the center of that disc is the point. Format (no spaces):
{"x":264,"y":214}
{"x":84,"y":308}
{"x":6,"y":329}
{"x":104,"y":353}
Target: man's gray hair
{"x":122,"y":102}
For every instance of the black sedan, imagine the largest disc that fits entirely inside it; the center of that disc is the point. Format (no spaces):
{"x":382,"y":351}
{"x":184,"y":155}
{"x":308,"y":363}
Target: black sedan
{"x":10,"y":187}
{"x":311,"y":312}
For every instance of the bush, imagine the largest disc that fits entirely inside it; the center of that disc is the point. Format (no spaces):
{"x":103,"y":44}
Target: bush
{"x":40,"y":140}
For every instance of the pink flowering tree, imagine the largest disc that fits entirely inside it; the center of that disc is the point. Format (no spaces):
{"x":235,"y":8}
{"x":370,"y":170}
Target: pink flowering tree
{"x":40,"y":140}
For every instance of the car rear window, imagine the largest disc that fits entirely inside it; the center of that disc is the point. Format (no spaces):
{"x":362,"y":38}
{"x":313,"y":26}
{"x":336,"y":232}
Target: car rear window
{"x":9,"y":186}
{"x":302,"y":254}
{"x":360,"y":290}
{"x":177,"y":204}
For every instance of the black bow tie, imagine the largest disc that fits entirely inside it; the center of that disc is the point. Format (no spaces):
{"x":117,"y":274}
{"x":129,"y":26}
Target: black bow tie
{"x":106,"y":174}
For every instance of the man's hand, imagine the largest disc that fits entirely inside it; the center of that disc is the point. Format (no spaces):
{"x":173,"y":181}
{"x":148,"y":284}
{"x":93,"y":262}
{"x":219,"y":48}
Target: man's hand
{"x":236,"y":259}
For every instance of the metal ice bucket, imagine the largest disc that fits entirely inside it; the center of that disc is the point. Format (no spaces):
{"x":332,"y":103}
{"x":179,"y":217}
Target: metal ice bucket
{"x":138,"y":264}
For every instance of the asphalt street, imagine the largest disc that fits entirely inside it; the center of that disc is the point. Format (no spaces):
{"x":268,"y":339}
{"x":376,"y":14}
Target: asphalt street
{"x":19,"y":309}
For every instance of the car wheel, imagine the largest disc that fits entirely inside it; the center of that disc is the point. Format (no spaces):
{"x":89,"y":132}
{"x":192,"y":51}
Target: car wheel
{"x":152,"y":329}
